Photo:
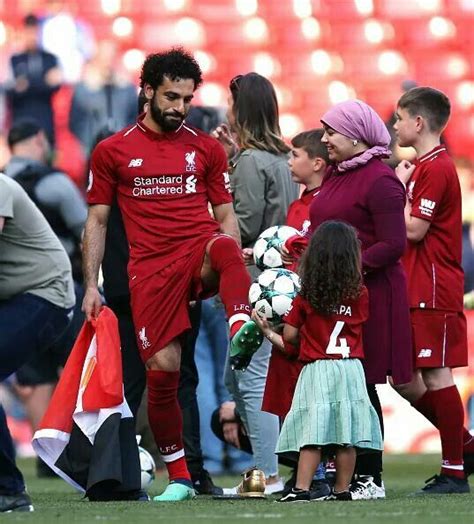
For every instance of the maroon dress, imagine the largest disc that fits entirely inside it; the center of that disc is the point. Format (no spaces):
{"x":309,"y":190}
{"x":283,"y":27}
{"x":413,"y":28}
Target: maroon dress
{"x":372,"y":199}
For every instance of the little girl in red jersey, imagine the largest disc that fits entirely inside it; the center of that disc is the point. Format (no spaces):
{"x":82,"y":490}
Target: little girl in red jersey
{"x":331,"y":410}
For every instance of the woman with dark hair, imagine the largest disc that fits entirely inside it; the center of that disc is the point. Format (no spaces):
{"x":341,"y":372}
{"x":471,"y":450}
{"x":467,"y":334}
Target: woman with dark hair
{"x":364,"y":192}
{"x":263,"y":190}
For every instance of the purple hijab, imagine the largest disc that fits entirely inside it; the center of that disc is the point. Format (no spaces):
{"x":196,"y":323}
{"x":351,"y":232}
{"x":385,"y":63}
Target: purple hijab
{"x":356,"y":120}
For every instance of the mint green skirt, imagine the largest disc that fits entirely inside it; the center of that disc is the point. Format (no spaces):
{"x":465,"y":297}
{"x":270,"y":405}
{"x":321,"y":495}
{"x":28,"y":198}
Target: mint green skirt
{"x":331,"y":406}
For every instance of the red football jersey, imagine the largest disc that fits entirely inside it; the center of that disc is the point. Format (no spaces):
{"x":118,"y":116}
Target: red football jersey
{"x":330,"y":336}
{"x":163,"y":182}
{"x":298,"y":212}
{"x":433,"y":266}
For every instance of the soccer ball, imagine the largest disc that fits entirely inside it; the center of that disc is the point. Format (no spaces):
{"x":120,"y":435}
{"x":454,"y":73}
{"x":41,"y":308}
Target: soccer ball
{"x":273,"y":292}
{"x":266,"y":251}
{"x":147,"y":466}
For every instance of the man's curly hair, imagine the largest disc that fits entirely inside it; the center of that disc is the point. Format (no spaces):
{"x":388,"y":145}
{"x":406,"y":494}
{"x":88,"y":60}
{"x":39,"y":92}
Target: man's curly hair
{"x":331,"y":267}
{"x":175,"y":63}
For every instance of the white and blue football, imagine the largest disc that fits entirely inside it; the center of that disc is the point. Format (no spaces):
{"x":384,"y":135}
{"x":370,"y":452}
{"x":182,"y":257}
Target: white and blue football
{"x":272,"y":293}
{"x":266,"y":251}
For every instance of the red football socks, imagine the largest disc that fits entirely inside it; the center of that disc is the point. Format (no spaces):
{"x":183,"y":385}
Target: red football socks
{"x":444,"y":409}
{"x":424,"y":406}
{"x":166,"y":421}
{"x":226,"y":259}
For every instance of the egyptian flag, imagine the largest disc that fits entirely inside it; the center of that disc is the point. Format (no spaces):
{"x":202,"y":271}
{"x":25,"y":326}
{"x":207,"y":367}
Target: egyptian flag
{"x":87,"y":435}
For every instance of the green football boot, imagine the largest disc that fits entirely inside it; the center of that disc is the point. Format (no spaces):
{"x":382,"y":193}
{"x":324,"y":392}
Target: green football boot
{"x":175,"y":492}
{"x":244,"y":344}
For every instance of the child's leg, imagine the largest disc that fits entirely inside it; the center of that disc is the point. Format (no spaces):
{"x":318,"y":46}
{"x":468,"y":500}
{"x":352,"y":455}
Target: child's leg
{"x":310,"y":457}
{"x":345,"y":465}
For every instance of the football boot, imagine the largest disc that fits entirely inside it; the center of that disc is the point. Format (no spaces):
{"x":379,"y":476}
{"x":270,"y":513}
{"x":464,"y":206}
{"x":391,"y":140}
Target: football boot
{"x":244,"y":344}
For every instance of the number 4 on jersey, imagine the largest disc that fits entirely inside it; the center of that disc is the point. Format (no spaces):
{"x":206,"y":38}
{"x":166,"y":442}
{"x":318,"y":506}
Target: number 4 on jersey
{"x":335,"y":348}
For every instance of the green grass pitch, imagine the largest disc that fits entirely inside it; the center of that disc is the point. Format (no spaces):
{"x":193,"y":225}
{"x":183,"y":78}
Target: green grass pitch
{"x":56,"y":502}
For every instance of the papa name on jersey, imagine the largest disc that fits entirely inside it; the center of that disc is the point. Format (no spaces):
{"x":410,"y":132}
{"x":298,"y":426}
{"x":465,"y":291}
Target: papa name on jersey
{"x":345,"y":311}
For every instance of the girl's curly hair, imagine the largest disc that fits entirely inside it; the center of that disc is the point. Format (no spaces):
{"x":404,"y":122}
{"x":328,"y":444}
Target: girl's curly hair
{"x":175,"y":63}
{"x":331,"y":267}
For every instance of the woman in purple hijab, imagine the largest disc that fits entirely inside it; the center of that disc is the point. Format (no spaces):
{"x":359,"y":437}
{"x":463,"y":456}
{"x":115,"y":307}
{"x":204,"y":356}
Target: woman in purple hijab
{"x":363,"y":191}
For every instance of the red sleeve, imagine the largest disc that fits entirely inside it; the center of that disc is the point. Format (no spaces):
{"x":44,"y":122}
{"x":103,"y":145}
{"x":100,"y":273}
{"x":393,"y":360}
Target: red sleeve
{"x":102,"y":176}
{"x":428,"y":191}
{"x":297,"y":313}
{"x":218,"y":182}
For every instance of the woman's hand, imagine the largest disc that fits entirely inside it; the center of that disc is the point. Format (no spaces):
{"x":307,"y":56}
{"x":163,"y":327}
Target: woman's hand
{"x":247,"y":253}
{"x":404,"y":170}
{"x":224,"y":135}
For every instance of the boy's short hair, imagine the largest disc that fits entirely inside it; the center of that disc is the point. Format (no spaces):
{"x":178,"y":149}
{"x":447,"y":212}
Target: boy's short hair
{"x":433,"y":105}
{"x":310,"y":141}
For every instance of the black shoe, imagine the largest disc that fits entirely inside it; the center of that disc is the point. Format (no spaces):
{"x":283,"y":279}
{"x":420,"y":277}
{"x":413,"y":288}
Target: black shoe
{"x":203,"y":484}
{"x":339,"y":495}
{"x":18,"y":502}
{"x":103,"y":494}
{"x":289,"y":484}
{"x":140,"y":495}
{"x":444,"y":485}
{"x":319,"y":489}
{"x":296,"y":495}
{"x":468,"y":464}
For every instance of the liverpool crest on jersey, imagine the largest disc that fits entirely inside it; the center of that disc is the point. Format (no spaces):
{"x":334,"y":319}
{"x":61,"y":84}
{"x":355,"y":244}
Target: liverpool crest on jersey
{"x":190,"y":161}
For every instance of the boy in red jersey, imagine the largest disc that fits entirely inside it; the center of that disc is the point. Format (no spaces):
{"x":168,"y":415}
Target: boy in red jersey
{"x":164,"y":173}
{"x":435,"y":281}
{"x":308,"y":162}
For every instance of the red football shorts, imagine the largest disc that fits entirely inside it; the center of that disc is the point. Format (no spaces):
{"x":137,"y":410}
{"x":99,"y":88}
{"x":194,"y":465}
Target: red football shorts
{"x":160,"y":303}
{"x":439,"y":338}
{"x":281,"y":382}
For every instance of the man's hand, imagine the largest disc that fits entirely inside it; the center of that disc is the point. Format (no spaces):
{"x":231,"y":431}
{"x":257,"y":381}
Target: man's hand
{"x":21,"y":84}
{"x":92,"y":303}
{"x":231,"y":433}
{"x":404,"y":170}
{"x":227,"y":412}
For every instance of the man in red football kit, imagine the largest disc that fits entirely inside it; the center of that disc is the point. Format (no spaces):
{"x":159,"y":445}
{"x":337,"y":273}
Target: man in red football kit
{"x":164,"y":173}
{"x":435,"y":281}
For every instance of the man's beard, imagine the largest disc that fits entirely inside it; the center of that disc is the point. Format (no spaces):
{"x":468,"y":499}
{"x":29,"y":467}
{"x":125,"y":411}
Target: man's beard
{"x":166,"y":124}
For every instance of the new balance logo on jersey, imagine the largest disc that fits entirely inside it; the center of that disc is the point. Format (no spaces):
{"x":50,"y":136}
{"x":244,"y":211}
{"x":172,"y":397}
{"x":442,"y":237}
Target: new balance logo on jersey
{"x":143,"y":338}
{"x":191,"y":184}
{"x":425,"y":353}
{"x":427,"y":206}
{"x":136,"y":162}
{"x":190,"y":161}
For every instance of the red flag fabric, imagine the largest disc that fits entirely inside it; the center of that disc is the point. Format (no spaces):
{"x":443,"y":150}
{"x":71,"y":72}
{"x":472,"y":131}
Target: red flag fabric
{"x":88,"y":397}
